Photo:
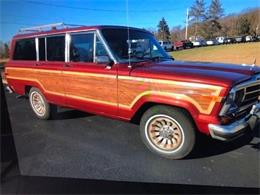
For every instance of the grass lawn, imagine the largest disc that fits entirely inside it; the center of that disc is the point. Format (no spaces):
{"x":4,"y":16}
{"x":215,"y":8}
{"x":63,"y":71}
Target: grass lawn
{"x":243,"y":53}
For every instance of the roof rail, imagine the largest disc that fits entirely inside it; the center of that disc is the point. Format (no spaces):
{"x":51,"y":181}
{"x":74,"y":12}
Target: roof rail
{"x":47,"y":27}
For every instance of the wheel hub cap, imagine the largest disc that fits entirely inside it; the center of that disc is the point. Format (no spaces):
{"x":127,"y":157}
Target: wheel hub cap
{"x":164,"y":133}
{"x":37,"y":103}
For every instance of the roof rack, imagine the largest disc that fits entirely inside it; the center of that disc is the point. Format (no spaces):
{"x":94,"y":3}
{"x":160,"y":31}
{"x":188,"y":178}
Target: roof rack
{"x":47,"y":27}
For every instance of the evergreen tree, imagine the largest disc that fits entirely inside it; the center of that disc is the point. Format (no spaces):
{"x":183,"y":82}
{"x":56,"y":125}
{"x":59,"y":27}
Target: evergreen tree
{"x":163,"y":30}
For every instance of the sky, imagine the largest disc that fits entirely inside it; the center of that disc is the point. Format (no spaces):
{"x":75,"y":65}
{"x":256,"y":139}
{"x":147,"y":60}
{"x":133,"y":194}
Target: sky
{"x":16,"y":14}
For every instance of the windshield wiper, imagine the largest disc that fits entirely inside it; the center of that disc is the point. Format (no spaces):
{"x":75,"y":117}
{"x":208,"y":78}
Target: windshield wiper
{"x":159,"y":58}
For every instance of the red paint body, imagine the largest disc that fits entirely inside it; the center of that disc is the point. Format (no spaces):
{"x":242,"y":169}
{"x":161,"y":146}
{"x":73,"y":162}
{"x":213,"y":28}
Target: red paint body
{"x":223,"y":75}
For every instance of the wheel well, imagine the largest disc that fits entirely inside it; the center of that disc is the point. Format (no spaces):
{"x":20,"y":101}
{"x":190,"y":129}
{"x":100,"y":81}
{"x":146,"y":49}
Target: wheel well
{"x":138,"y":115}
{"x":27,"y":90}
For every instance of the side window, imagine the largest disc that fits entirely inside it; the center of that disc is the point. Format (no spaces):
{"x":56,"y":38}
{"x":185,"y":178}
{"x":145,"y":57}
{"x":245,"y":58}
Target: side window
{"x":100,"y":49}
{"x":25,"y":50}
{"x":56,"y":48}
{"x":81,"y":47}
{"x":42,"y":49}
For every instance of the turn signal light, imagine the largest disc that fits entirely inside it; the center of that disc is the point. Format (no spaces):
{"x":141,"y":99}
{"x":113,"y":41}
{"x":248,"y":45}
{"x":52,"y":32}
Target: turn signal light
{"x":225,"y":120}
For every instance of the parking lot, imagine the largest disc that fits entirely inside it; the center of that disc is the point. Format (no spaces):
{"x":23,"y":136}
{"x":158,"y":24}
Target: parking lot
{"x":81,"y":145}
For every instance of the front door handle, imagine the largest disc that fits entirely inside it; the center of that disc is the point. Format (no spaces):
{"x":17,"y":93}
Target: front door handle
{"x":108,"y":67}
{"x":67,"y":65}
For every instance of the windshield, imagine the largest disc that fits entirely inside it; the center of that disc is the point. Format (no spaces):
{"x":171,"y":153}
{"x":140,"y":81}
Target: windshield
{"x":140,"y":46}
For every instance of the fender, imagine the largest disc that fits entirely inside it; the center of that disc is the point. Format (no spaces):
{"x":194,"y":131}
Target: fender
{"x":200,"y":120}
{"x":19,"y":85}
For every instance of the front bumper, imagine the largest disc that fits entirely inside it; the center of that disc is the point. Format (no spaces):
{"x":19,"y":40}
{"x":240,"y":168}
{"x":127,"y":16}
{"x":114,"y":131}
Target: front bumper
{"x":237,"y":128}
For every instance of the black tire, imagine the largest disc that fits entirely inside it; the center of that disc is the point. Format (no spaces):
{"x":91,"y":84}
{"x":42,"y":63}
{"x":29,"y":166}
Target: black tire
{"x":185,"y":127}
{"x":49,"y":110}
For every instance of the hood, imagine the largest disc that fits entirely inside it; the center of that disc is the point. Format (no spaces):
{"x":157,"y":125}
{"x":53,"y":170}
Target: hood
{"x":225,"y":75}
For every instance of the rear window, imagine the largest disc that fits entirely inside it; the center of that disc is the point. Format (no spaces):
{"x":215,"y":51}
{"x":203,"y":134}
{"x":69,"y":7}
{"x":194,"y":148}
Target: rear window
{"x":25,"y":50}
{"x":56,"y":48}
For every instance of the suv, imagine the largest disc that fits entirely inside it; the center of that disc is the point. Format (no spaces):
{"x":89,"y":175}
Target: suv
{"x":124,"y":73}
{"x":166,"y":45}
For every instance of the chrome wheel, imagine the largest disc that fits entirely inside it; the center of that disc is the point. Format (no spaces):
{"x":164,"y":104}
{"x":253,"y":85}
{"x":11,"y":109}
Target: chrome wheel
{"x":37,"y":103}
{"x":164,"y":133}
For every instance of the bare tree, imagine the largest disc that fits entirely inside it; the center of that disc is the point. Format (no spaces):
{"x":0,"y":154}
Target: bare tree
{"x":197,"y":14}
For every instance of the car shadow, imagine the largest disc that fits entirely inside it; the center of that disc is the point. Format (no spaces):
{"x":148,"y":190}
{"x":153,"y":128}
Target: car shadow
{"x":70,"y":114}
{"x":207,"y":147}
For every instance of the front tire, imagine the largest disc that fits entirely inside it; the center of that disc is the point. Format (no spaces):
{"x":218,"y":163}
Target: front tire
{"x":41,"y":108}
{"x":168,"y":132}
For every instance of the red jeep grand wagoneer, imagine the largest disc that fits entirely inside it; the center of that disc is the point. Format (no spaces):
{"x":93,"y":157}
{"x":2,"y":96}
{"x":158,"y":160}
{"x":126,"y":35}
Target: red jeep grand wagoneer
{"x":123,"y":73}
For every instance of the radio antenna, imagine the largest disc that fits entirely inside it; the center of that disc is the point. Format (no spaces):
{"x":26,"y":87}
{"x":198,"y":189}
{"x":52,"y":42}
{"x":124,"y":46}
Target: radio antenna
{"x":254,"y":62}
{"x":253,"y":65}
{"x":128,"y":35}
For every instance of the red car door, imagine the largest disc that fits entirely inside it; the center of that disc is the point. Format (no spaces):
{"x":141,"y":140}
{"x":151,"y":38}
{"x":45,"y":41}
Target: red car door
{"x":90,"y":85}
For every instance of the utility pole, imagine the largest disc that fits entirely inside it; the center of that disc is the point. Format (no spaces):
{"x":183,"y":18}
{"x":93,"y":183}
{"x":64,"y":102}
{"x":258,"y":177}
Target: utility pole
{"x":187,"y":23}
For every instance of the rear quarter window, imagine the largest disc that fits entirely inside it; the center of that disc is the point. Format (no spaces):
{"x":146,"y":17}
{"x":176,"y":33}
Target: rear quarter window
{"x":25,"y":50}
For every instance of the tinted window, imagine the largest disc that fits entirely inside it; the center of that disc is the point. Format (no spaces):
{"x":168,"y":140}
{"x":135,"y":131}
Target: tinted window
{"x":25,"y":50}
{"x":100,"y":49}
{"x":81,"y":48}
{"x":56,"y":48}
{"x":42,"y":49}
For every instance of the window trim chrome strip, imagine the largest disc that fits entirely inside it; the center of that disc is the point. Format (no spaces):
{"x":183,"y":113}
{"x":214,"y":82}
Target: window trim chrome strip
{"x":94,"y":47}
{"x":108,"y":49}
{"x":67,"y":45}
{"x":37,"y":48}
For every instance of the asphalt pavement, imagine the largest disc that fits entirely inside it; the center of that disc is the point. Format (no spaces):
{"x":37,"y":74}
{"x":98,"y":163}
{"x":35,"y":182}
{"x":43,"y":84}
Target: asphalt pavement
{"x":81,"y":145}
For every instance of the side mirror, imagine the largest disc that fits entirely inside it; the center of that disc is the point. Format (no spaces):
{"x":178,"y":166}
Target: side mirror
{"x":102,"y":60}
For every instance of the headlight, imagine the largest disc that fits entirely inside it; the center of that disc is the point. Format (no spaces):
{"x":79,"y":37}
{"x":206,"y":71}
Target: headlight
{"x":233,"y":101}
{"x":239,"y":96}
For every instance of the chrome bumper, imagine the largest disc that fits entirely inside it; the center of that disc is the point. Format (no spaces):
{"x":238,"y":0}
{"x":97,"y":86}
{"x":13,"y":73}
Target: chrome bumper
{"x":237,"y":128}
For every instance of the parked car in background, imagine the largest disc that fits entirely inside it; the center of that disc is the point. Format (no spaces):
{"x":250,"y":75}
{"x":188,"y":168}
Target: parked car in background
{"x":249,"y":38}
{"x":177,"y":45}
{"x":184,"y":44}
{"x":240,"y":39}
{"x":166,"y":45}
{"x":212,"y":42}
{"x":220,"y":40}
{"x":187,"y":44}
{"x":198,"y":43}
{"x":229,"y":40}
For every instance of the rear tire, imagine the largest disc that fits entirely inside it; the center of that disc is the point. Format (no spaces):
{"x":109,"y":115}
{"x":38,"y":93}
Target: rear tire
{"x":41,"y":108}
{"x":168,"y":132}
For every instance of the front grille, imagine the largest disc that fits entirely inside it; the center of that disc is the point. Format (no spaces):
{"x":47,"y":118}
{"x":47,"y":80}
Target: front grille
{"x":250,"y":97}
{"x":241,"y":98}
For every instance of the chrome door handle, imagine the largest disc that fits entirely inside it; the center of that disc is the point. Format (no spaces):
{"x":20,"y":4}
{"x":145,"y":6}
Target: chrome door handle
{"x":108,"y":67}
